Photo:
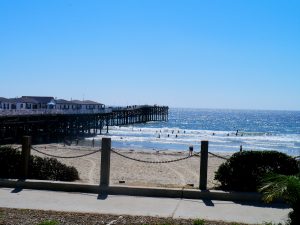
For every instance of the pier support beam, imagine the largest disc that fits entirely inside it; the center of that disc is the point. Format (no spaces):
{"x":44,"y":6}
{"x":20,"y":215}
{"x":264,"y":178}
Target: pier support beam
{"x":203,"y":165}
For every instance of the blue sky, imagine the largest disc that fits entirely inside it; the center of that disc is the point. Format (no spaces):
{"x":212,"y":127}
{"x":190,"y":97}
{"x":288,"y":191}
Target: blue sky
{"x":201,"y":54}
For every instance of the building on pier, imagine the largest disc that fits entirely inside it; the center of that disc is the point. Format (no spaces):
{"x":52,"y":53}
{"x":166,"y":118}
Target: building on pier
{"x":46,"y":103}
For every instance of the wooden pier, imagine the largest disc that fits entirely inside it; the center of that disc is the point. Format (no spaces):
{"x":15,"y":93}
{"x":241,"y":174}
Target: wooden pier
{"x":49,"y":126}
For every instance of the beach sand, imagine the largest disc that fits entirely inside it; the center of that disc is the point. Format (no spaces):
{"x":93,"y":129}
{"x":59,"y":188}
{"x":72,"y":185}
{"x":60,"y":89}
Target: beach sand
{"x":134,"y":173}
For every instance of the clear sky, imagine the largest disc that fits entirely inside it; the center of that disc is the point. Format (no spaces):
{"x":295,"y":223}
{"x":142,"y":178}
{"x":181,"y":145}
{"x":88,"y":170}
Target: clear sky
{"x":201,"y":54}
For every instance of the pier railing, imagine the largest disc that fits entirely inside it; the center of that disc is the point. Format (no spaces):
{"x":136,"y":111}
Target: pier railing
{"x":20,"y":112}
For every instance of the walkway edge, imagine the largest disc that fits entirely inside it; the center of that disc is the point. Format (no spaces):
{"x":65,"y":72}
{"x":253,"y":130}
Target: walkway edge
{"x":130,"y":190}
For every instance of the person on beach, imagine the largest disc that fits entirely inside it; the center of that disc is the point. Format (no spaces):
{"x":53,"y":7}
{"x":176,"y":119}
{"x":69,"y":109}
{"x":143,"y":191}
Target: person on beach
{"x":237,"y":132}
{"x":93,"y":142}
{"x":191,"y":149}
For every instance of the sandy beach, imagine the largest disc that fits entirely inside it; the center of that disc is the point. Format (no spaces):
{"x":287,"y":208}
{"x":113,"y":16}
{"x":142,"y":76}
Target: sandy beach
{"x":174,"y":174}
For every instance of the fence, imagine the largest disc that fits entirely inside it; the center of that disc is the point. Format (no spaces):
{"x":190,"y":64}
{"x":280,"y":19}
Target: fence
{"x":13,"y":112}
{"x":106,"y":152}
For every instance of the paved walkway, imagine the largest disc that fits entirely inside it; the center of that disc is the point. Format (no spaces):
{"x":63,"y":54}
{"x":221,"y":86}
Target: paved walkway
{"x":146,"y":206}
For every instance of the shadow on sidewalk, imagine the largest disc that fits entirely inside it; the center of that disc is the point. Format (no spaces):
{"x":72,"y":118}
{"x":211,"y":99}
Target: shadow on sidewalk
{"x":18,"y":189}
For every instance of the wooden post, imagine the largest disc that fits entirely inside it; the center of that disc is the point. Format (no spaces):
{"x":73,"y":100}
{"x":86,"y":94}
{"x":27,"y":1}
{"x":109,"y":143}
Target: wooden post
{"x":26,"y":146}
{"x":203,"y":165}
{"x":105,"y":161}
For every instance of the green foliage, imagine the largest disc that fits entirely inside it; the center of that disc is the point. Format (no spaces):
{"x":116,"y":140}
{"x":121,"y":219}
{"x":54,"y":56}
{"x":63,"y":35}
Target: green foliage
{"x":39,"y":168}
{"x":49,"y":222}
{"x":275,"y":186}
{"x":270,"y":223}
{"x":244,"y":170}
{"x":10,"y":162}
{"x":51,"y":169}
{"x":199,"y":222}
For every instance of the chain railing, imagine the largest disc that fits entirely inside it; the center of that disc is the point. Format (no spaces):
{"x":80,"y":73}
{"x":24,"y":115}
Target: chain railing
{"x":17,"y":148}
{"x":64,"y":157}
{"x":153,"y":162}
{"x":218,"y":156}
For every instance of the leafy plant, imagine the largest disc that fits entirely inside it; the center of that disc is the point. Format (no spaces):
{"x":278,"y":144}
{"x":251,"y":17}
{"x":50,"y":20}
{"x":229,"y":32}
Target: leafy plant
{"x":39,"y":168}
{"x":199,"y":222}
{"x":277,"y":186}
{"x":244,"y":170}
{"x":49,"y":222}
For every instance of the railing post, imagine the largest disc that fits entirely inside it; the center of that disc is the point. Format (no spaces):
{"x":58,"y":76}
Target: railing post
{"x":105,"y":161}
{"x":26,"y":146}
{"x":203,"y":165}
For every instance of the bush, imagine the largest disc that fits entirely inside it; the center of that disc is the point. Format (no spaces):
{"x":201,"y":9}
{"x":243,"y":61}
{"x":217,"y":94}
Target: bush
{"x":39,"y":168}
{"x":199,"y":222}
{"x":244,"y":170}
{"x":49,"y":222}
{"x":10,"y":162}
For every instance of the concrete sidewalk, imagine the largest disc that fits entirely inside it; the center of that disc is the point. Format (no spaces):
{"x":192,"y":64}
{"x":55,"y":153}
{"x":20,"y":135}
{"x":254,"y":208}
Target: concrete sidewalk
{"x":143,"y":206}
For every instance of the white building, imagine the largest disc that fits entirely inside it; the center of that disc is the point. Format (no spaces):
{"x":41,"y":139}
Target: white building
{"x":7,"y":104}
{"x":88,"y":104}
{"x":38,"y":102}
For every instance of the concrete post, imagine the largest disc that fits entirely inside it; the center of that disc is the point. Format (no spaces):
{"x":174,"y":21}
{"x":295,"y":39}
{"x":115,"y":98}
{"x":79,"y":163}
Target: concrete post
{"x":26,"y":146}
{"x":203,"y":165}
{"x":105,"y":161}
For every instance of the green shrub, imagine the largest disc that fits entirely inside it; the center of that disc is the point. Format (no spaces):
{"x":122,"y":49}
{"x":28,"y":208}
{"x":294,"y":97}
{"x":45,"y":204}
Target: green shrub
{"x":39,"y":168}
{"x":10,"y":162}
{"x":244,"y":170}
{"x":198,"y":222}
{"x":49,"y":222}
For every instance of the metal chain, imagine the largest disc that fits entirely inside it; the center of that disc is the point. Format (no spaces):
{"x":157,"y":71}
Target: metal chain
{"x":218,"y":156}
{"x":64,"y":157}
{"x":154,"y":162}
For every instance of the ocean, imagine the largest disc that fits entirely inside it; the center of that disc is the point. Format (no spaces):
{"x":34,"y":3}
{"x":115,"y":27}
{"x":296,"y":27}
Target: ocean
{"x":226,"y":131}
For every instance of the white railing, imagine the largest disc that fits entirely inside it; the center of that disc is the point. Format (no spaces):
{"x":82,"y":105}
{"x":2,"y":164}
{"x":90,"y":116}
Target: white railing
{"x":12,"y":112}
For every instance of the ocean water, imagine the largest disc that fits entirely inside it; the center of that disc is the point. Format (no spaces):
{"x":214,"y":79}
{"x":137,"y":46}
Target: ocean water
{"x":225,"y":130}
